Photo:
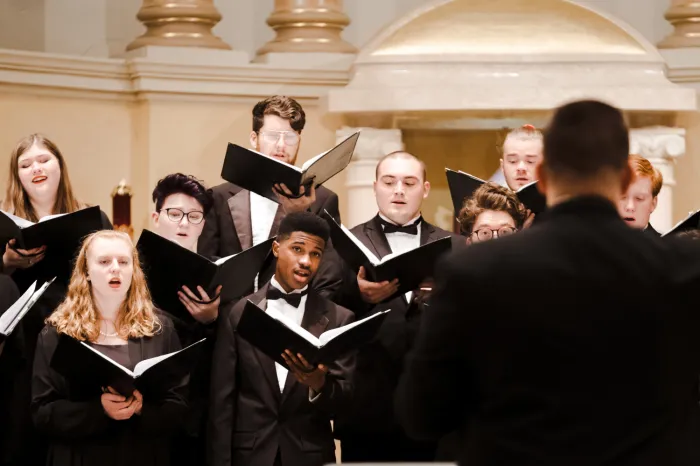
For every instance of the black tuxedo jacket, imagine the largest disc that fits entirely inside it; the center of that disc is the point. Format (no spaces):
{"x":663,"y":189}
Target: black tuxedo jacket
{"x":572,"y":342}
{"x":228,"y":230}
{"x":652,"y":231}
{"x":379,"y":363}
{"x":250,"y":420}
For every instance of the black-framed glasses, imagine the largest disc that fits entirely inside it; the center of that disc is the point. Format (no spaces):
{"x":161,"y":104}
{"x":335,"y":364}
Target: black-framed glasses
{"x":485,"y":234}
{"x":291,"y":138}
{"x":175,"y":215}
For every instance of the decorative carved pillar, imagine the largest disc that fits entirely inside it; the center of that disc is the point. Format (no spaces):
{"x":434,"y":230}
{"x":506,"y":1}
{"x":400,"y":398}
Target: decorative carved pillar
{"x":684,"y":15}
{"x":372,"y":145}
{"x":179,"y":23}
{"x":661,"y":146}
{"x":308,"y":26}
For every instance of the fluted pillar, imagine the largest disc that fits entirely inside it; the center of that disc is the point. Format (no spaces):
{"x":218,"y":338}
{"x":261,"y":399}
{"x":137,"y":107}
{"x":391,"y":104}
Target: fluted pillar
{"x":308,"y":26}
{"x":684,"y":16}
{"x":661,"y":146}
{"x":178,"y":23}
{"x":372,"y":145}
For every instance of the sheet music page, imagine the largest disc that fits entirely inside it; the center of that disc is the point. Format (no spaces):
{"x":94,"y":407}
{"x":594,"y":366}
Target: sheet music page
{"x":324,"y":166}
{"x":19,"y":221}
{"x":115,"y":363}
{"x":332,"y":333}
{"x":305,"y":334}
{"x":276,"y":160}
{"x":9,"y":316}
{"x":32,"y":300}
{"x":146,"y":364}
{"x":49,"y":217}
{"x":224,"y":259}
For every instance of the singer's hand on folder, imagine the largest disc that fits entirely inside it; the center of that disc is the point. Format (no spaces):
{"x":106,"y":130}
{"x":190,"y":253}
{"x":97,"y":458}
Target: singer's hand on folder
{"x":15,"y":258}
{"x":117,"y":406}
{"x":305,"y":373}
{"x":205,"y":312}
{"x":529,"y":218}
{"x":290,"y":204}
{"x":372,"y":292}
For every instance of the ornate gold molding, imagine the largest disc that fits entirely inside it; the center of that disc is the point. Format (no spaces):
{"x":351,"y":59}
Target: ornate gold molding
{"x":308,"y":26}
{"x":684,"y":15}
{"x":179,"y":23}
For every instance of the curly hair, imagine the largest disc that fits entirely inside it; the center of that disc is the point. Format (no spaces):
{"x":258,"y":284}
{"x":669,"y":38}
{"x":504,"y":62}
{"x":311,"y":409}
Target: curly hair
{"x":77,"y":316}
{"x":491,"y":196}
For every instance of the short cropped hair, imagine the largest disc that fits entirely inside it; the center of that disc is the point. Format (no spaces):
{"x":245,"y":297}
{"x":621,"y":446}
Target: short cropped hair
{"x":400,"y":154}
{"x":491,"y":196}
{"x":306,"y":222}
{"x":177,"y":183}
{"x":643,"y":168}
{"x":281,"y":106}
{"x":584,"y":138}
{"x":523,"y":133}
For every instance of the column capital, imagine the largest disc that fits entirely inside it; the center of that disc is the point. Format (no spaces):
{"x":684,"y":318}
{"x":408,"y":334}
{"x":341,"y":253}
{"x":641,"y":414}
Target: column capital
{"x":659,"y":142}
{"x":684,"y":16}
{"x":373,"y":143}
{"x":178,"y":23}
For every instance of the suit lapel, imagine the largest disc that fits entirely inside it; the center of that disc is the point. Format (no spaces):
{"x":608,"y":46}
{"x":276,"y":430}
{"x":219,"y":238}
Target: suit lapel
{"x":279,"y":215}
{"x":239,"y":206}
{"x":267,"y":364}
{"x":316,"y":322}
{"x":426,"y":232}
{"x":377,"y":238}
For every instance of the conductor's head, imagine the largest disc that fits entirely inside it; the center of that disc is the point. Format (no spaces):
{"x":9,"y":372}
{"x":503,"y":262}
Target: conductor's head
{"x":586,"y":150}
{"x":299,"y":247}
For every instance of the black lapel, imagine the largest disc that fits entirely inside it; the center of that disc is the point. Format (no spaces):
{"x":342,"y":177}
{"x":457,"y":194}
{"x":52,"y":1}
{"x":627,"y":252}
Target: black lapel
{"x":426,"y":233}
{"x":267,"y":364}
{"x":377,"y":238}
{"x":316,"y":322}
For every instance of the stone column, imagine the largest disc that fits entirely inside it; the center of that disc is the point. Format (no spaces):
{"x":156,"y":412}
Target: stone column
{"x":684,"y":15}
{"x":178,"y":23}
{"x":304,"y":26}
{"x":372,"y":145}
{"x":661,"y":146}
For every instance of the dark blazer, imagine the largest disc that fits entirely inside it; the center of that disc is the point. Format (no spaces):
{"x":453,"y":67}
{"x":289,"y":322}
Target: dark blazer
{"x":11,"y":360}
{"x":228,"y":230}
{"x":379,"y":363}
{"x":250,"y":419}
{"x":569,"y":343}
{"x":652,"y":231}
{"x":79,"y":431}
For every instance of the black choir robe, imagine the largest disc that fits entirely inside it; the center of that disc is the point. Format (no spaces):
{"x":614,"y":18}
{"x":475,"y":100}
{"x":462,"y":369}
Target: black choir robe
{"x":228,"y":230}
{"x":79,"y":431}
{"x":11,"y":360}
{"x":369,"y":431}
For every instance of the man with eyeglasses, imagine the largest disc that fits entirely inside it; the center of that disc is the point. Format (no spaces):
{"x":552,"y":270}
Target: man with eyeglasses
{"x":492,"y":212}
{"x":241,"y":219}
{"x":181,"y":204}
{"x":369,"y":432}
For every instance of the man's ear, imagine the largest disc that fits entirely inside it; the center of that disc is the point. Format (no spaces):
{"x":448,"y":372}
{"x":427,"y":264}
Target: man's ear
{"x":276,"y":248}
{"x":156,"y":217}
{"x":426,"y":189}
{"x":254,"y":139}
{"x":653,"y":203}
{"x":542,"y":180}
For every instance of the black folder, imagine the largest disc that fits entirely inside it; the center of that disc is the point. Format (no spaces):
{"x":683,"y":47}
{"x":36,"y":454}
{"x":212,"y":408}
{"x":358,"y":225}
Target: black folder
{"x":258,"y":172}
{"x":11,"y":317}
{"x":55,"y":232}
{"x":691,"y":222}
{"x":462,"y":186}
{"x":532,"y":198}
{"x":168,"y":266}
{"x":411,"y":267}
{"x":272,"y":334}
{"x":85,"y":366}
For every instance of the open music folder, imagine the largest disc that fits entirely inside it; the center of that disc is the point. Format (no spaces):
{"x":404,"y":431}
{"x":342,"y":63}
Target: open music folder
{"x":82,"y":364}
{"x":411,"y":267}
{"x":258,"y":172}
{"x":273,"y":333}
{"x":59,"y":229}
{"x":691,"y":222}
{"x":462,"y":186}
{"x":12,"y":316}
{"x":168,"y":267}
{"x":532,"y":198}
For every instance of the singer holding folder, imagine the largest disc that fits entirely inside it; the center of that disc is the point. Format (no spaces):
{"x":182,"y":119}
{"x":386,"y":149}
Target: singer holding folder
{"x":263,"y":413}
{"x":107,"y":306}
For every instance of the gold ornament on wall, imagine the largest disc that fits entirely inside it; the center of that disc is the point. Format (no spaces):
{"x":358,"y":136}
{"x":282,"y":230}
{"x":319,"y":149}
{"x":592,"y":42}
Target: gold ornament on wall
{"x":121,"y":208}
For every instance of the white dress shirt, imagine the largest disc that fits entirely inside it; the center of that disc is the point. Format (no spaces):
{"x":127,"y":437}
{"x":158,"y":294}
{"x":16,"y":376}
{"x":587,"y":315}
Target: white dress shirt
{"x":262,"y":214}
{"x":403,"y":242}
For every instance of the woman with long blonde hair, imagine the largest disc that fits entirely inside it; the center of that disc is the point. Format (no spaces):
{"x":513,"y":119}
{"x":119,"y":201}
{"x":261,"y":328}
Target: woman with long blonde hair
{"x":107,"y":306}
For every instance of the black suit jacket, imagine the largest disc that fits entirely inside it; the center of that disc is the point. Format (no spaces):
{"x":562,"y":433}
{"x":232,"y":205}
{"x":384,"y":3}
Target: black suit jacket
{"x":228,"y":230}
{"x":250,"y":420}
{"x":652,"y":231}
{"x":571,"y":343}
{"x":379,"y":363}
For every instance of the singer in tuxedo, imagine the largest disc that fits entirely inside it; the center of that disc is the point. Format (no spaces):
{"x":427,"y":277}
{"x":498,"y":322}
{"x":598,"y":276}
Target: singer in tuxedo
{"x":588,"y":353}
{"x":108,"y":307}
{"x":241,"y":219}
{"x":639,"y":202}
{"x":263,"y":413}
{"x":369,"y":432}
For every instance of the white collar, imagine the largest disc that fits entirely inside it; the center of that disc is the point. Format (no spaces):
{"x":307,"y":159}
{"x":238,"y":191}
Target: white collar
{"x":394,"y":223}
{"x":275,"y":283}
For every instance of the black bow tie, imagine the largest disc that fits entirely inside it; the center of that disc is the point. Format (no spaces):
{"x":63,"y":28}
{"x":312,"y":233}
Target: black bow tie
{"x":411,"y":229}
{"x":293,"y":299}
